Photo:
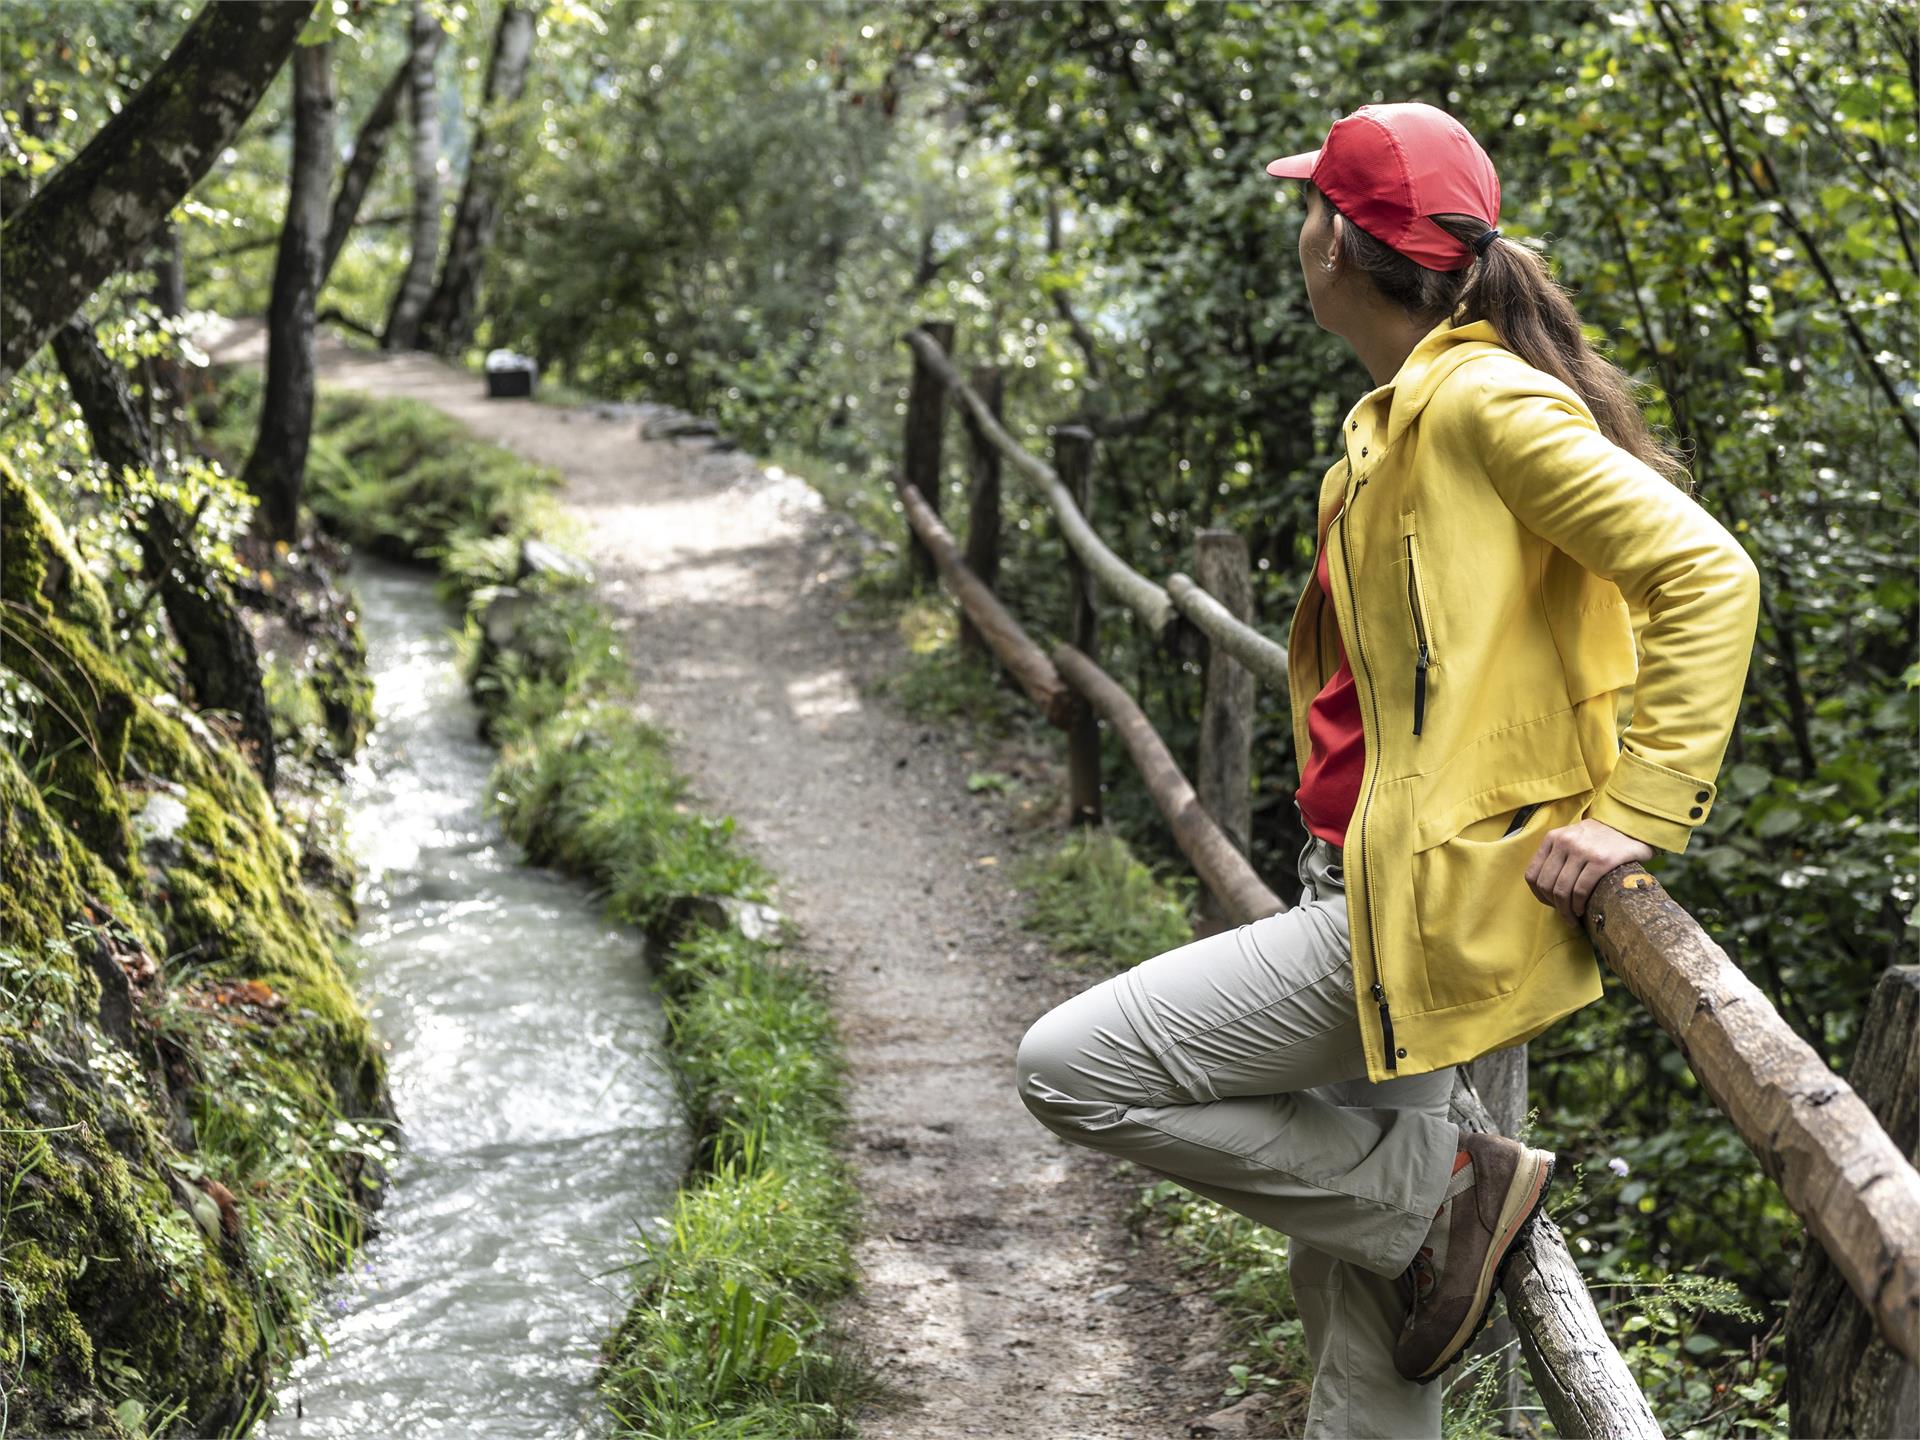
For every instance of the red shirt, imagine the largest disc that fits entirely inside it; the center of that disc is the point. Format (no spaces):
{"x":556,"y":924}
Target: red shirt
{"x":1330,"y":783}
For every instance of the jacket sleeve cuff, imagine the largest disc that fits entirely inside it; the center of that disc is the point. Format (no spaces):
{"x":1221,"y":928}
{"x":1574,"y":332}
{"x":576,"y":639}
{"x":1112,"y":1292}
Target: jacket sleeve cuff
{"x":1652,"y":803}
{"x":1648,"y":829}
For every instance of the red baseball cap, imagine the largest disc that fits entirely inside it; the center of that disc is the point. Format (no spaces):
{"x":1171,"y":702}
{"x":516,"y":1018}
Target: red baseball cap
{"x":1388,"y":167}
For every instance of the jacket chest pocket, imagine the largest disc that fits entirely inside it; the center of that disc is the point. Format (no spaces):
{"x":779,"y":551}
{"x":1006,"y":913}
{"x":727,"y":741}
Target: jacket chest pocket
{"x":1426,"y":657}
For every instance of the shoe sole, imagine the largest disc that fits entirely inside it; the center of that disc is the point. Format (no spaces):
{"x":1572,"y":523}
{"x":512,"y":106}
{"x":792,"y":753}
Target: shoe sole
{"x":1524,"y":1199}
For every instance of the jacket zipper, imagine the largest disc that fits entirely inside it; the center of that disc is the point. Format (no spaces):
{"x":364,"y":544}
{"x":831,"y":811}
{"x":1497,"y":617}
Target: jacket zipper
{"x":1366,"y":802}
{"x":1386,"y":1024}
{"x":1425,"y":658}
{"x":1520,"y":818}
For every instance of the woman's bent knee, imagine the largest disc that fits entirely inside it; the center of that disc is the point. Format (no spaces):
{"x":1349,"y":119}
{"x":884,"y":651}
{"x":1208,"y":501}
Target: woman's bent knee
{"x":1043,"y":1070}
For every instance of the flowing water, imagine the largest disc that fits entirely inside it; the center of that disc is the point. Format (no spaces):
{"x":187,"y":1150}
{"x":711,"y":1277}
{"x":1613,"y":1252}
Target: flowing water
{"x":527,"y":1062}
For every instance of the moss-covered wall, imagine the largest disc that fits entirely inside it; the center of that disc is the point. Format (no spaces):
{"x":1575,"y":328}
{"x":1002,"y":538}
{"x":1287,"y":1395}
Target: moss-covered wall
{"x":178,"y":1042}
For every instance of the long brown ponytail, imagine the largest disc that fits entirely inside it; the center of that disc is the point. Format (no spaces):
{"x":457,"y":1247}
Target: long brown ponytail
{"x":1510,"y":287}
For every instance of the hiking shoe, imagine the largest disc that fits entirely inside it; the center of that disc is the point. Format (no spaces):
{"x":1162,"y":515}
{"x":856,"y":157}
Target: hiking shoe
{"x":1498,"y":1186}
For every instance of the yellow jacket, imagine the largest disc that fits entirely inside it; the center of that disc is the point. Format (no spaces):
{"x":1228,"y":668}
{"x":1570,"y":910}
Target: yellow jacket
{"x":1489,"y":546}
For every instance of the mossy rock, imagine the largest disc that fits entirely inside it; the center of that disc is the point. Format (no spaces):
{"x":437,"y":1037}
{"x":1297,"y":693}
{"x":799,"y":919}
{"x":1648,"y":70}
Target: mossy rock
{"x":113,"y":1289}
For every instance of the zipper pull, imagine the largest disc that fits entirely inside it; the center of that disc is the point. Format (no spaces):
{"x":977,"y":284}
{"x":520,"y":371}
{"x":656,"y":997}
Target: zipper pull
{"x":1386,"y":1027}
{"x":1420,"y":687}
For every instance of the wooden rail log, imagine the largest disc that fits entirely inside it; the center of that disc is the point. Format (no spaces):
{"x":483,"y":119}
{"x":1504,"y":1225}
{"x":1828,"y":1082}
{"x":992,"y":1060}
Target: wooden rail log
{"x":1834,"y":1162}
{"x":1583,"y":1381}
{"x":1262,"y":656}
{"x":1146,"y":599}
{"x":1224,"y":869}
{"x":1025,"y":661}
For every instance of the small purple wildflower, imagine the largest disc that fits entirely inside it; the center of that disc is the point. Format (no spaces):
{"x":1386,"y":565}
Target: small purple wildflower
{"x":1618,"y":1166}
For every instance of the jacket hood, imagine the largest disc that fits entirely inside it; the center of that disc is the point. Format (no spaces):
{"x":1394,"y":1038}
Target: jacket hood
{"x":1441,"y":351}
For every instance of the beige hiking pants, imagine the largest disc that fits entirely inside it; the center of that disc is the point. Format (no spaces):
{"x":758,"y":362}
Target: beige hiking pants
{"x":1233,"y":1066}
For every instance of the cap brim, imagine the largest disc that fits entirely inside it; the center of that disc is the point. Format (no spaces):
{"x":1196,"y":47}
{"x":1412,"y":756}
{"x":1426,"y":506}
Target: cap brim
{"x":1294,"y":167}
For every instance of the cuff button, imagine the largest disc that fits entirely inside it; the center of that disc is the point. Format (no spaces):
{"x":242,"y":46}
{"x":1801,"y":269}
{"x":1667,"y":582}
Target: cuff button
{"x":1701,"y":795}
{"x":1696,"y":812}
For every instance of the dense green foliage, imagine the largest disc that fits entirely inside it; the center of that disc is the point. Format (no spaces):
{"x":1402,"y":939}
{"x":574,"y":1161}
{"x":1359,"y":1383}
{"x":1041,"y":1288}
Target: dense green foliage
{"x":193,"y":1112}
{"x":738,"y":207}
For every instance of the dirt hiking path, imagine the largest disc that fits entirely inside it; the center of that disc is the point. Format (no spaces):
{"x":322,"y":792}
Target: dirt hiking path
{"x":1000,"y":1288}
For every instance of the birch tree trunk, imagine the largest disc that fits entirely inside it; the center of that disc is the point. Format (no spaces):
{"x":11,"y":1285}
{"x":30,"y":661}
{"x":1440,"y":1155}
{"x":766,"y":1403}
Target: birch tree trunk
{"x":369,"y":145}
{"x":448,"y":322}
{"x":423,"y":113}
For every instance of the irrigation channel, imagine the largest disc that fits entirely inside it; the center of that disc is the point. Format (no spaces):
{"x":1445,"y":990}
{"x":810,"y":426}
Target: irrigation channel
{"x":529,"y":1070}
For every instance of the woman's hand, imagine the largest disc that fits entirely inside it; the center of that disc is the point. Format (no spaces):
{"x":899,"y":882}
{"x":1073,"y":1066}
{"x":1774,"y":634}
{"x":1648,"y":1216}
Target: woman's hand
{"x":1571,"y":860}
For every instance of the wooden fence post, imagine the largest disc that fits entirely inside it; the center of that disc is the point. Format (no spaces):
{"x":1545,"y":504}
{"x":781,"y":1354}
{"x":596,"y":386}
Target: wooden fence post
{"x":926,"y":408}
{"x":1501,"y":1079}
{"x":1842,"y":1377}
{"x":983,"y":507}
{"x":1073,"y":457}
{"x":1221,"y":566}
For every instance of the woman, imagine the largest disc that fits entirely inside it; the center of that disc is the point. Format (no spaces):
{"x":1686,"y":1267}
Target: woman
{"x":1458,"y":671}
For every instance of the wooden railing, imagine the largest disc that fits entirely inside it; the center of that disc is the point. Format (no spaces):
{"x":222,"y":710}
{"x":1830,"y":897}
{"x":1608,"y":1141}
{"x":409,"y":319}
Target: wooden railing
{"x":1856,"y":1190}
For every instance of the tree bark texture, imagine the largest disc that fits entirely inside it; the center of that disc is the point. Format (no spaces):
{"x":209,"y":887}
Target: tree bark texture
{"x":102,"y":208}
{"x":920,"y":452}
{"x":1500,"y":1077}
{"x":1842,"y":1378}
{"x":1837,"y":1167}
{"x":1224,"y":869}
{"x":423,"y":114}
{"x":369,"y":147}
{"x":448,"y":322}
{"x":1025,"y":661}
{"x":1119,"y":579}
{"x":167,"y":378}
{"x":1582,"y":1379}
{"x":983,"y":504}
{"x":222,"y":666}
{"x":278,"y":465}
{"x":1225,"y":631}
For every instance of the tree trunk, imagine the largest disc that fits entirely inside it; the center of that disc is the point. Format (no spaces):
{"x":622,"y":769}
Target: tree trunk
{"x":166,"y":376}
{"x":1842,"y":1378}
{"x":102,"y":208}
{"x":448,"y":323}
{"x":279,"y":461}
{"x":423,"y":113}
{"x":369,"y":144}
{"x":222,"y":666}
